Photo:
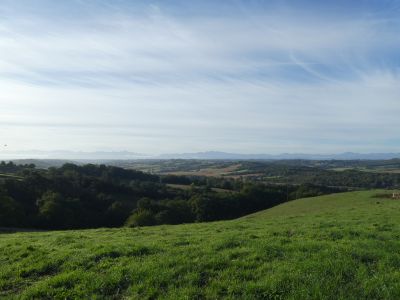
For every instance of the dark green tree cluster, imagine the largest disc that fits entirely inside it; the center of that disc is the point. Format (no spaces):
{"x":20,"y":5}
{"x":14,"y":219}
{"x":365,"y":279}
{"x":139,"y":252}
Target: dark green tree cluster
{"x":75,"y":196}
{"x":12,"y":168}
{"x":316,"y":172}
{"x":92,"y":196}
{"x":203,"y":204}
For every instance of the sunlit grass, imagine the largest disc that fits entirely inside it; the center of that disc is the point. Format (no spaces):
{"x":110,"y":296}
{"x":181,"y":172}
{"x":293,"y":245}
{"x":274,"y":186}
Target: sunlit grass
{"x":336,"y":246}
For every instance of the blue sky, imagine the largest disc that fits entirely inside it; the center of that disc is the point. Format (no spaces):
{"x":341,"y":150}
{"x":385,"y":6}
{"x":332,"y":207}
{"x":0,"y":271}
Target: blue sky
{"x":182,"y":76}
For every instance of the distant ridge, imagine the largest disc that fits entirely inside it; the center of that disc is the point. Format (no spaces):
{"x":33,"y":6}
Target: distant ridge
{"x":127,"y":155}
{"x":71,"y":155}
{"x":224,"y":155}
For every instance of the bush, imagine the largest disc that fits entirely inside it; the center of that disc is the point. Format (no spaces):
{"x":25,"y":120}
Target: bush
{"x":11,"y":214}
{"x":141,"y":218}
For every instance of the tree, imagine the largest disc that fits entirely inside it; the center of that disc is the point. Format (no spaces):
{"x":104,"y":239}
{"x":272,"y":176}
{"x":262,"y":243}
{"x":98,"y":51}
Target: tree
{"x":11,"y":214}
{"x":141,"y":218}
{"x":53,"y":211}
{"x":175,"y":212}
{"x":117,"y":212}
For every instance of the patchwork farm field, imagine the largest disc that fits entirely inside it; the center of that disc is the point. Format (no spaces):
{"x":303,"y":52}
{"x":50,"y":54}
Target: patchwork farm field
{"x":337,"y":246}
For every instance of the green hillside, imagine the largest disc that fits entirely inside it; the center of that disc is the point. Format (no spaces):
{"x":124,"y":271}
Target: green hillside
{"x":336,"y":246}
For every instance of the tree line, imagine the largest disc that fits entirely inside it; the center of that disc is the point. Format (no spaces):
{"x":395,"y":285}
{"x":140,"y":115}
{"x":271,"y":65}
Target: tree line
{"x":92,"y":196}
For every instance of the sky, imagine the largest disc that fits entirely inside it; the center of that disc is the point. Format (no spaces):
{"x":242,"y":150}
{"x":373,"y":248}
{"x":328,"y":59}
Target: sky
{"x":187,"y":76}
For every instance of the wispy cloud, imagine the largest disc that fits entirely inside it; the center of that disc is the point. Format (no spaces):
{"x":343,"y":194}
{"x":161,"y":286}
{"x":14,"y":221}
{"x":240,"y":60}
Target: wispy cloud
{"x":94,"y":74}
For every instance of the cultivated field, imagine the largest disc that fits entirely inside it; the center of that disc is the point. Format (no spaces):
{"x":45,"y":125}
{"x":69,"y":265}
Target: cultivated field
{"x":336,"y":246}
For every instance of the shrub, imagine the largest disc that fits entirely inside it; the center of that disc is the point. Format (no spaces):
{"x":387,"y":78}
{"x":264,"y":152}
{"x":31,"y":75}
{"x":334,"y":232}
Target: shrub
{"x":141,"y":218}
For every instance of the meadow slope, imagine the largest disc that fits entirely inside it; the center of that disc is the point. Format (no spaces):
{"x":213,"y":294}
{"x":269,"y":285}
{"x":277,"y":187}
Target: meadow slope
{"x":336,"y":246}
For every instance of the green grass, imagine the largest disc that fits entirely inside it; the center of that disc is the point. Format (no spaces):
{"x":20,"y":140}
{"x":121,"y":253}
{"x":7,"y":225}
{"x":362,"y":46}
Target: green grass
{"x":186,"y":187}
{"x":375,"y":169}
{"x":12,"y":176}
{"x":335,"y":247}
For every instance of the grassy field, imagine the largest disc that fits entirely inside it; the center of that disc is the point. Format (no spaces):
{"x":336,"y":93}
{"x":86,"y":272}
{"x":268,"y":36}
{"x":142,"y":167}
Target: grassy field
{"x":216,"y":171}
{"x":378,"y":169}
{"x":6,"y":176}
{"x":336,"y":246}
{"x":188,"y":187}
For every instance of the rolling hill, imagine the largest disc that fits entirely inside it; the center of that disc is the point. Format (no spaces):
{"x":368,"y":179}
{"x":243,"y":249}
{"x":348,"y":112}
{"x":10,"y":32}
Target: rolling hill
{"x":336,"y":246}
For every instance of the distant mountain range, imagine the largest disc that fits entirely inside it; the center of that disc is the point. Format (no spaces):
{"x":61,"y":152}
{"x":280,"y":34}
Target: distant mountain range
{"x":71,"y":155}
{"x":126,"y":155}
